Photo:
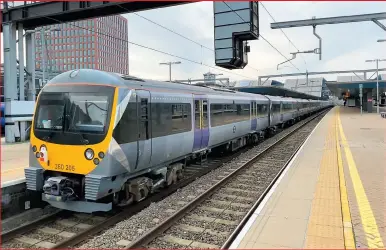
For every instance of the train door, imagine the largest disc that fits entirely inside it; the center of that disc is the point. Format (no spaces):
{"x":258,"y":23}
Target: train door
{"x":253,"y":115}
{"x":144,"y":147}
{"x":201,"y":123}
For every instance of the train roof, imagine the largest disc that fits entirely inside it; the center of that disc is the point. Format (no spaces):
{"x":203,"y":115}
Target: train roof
{"x":82,"y":76}
{"x":93,"y":76}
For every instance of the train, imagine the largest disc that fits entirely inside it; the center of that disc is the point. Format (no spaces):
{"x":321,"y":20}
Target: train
{"x":100,"y":140}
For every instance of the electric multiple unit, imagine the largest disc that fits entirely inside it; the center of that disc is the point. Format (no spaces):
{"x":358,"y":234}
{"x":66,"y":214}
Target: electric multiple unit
{"x":100,"y":139}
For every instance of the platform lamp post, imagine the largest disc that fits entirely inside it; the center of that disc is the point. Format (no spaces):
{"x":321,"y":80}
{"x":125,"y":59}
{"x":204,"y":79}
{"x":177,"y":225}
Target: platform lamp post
{"x":377,"y":61}
{"x":170,"y":68}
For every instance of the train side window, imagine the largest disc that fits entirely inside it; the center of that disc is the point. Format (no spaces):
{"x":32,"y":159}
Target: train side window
{"x":144,"y":120}
{"x":229,"y":113}
{"x":252,"y":110}
{"x":197,"y":114}
{"x":205,"y":122}
{"x":245,"y":112}
{"x":216,"y":114}
{"x":181,"y":120}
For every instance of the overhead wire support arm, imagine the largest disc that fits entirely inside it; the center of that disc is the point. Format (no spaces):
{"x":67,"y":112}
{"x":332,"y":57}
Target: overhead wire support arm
{"x":320,"y":43}
{"x":379,"y":24}
{"x":315,"y":51}
{"x":293,"y":57}
{"x":375,"y":17}
{"x":329,"y":20}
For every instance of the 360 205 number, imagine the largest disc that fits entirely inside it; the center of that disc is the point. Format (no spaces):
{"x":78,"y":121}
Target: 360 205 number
{"x":63,"y":167}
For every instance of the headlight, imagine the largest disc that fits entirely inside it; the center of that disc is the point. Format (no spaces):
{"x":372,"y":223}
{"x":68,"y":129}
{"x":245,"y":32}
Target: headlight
{"x":43,"y":147}
{"x":89,"y":154}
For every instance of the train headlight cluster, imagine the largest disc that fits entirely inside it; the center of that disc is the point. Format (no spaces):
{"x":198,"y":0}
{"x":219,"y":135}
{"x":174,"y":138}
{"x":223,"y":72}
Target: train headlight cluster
{"x":89,"y":154}
{"x":43,"y":148}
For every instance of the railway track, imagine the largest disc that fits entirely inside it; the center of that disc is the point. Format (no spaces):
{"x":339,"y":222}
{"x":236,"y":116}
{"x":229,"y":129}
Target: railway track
{"x":214,"y":218}
{"x":66,"y":229}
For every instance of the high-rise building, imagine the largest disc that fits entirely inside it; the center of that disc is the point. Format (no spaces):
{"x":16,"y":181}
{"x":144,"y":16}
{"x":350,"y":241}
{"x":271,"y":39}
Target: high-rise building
{"x":99,"y":43}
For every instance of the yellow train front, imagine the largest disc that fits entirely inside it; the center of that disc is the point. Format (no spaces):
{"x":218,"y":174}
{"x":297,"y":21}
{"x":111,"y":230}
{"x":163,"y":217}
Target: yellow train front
{"x":70,"y":139}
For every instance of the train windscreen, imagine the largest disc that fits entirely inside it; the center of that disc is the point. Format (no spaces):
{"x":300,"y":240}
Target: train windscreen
{"x":81,"y":111}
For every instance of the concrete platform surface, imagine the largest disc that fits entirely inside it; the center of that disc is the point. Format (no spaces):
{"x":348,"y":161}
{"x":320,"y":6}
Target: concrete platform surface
{"x":14,"y":158}
{"x":332,"y":195}
{"x":363,"y":144}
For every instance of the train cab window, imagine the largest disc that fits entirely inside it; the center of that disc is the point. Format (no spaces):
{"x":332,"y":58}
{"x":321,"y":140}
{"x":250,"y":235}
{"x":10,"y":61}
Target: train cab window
{"x":126,"y":130}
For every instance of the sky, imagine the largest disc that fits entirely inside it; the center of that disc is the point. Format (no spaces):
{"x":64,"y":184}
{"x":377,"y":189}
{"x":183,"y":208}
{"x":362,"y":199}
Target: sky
{"x":344,"y":46}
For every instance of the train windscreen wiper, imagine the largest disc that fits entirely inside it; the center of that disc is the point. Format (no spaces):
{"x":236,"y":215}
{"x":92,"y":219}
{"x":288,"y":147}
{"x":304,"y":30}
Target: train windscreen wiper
{"x":83,"y":139}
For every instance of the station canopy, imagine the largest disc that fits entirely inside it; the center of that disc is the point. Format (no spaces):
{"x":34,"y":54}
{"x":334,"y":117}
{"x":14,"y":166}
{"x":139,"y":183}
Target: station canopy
{"x":275,"y":91}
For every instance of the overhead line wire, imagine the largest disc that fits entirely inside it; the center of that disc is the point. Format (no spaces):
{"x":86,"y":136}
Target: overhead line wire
{"x":176,"y":33}
{"x":142,"y":46}
{"x":283,"y":32}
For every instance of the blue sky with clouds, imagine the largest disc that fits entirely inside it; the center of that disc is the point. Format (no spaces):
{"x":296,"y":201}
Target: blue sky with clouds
{"x":345,"y":46}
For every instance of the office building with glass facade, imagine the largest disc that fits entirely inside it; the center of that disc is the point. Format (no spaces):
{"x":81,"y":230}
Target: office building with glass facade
{"x":99,"y":43}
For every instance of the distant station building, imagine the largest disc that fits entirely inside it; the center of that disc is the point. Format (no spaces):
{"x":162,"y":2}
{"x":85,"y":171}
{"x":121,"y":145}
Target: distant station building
{"x":253,"y":83}
{"x":311,"y":86}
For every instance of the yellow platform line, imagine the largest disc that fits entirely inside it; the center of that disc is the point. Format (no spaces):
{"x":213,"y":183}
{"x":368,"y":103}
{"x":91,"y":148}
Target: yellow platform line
{"x":348,"y":234}
{"x":369,"y":223}
{"x":325,"y":226}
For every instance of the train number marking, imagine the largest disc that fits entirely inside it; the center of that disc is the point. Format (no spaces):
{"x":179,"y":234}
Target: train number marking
{"x":70,"y":168}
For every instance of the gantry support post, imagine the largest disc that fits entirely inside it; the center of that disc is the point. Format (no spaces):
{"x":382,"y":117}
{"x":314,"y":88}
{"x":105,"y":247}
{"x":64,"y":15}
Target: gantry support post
{"x":10,"y":81}
{"x":22,"y":124}
{"x":30,"y":64}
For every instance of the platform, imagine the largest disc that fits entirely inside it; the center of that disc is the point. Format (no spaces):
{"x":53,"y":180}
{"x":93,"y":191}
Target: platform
{"x":332,"y":195}
{"x":14,"y":158}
